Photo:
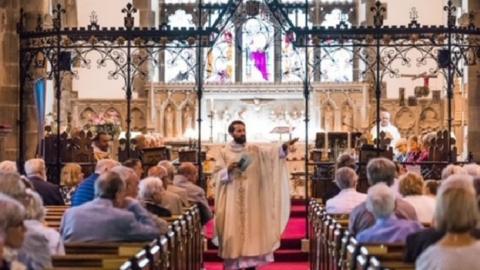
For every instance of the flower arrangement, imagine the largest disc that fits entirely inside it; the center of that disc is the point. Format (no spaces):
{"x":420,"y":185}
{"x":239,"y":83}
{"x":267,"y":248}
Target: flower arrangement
{"x":107,"y":123}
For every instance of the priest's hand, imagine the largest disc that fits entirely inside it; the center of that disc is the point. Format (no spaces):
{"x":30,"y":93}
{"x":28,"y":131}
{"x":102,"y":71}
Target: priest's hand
{"x":232,"y":166}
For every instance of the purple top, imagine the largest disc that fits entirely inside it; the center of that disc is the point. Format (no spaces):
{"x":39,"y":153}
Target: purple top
{"x":389,"y":230}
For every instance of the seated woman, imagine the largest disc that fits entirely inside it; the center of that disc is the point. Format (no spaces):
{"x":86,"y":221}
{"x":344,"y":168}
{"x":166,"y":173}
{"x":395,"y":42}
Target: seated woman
{"x":150,"y":194}
{"x":70,"y":178}
{"x":456,"y":213}
{"x":411,"y":187}
{"x":388,"y":228}
{"x":414,"y":149}
{"x":34,"y":222}
{"x":13,"y":231}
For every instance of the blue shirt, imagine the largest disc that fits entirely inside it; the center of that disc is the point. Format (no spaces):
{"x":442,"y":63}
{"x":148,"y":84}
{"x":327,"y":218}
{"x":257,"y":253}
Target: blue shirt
{"x":389,"y":230}
{"x":85,"y":191}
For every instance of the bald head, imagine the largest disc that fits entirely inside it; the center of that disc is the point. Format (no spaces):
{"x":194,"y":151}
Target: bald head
{"x":105,"y":165}
{"x":189,"y":170}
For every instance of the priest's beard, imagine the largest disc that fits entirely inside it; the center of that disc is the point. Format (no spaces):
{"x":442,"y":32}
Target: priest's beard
{"x":240,"y":139}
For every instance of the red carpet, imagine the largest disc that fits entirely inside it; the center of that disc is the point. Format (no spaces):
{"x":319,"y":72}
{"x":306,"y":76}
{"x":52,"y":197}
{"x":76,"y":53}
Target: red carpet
{"x":288,"y":257}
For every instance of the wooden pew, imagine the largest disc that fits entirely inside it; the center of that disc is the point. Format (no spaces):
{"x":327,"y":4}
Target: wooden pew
{"x":388,"y":252}
{"x":376,"y":264}
{"x":88,"y":261}
{"x":121,"y":249}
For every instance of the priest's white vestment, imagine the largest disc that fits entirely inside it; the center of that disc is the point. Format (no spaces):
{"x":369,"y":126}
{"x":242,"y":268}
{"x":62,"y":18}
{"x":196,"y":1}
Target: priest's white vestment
{"x":251,"y":207}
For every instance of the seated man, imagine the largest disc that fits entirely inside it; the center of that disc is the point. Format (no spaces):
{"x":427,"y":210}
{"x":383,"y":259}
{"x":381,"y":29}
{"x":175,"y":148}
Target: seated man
{"x":168,"y":182}
{"x":151,"y":195}
{"x":37,"y":174}
{"x":387,"y":229}
{"x":170,"y":200}
{"x":348,"y":198}
{"x":108,"y":218}
{"x":100,"y":146}
{"x":85,"y":190}
{"x":187,"y":178}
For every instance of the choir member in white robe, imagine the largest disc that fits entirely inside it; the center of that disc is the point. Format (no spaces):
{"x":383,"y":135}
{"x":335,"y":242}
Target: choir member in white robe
{"x":386,"y":126}
{"x":252,"y":200}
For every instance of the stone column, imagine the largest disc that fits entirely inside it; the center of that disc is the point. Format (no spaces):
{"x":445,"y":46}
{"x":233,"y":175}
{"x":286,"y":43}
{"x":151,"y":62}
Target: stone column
{"x":4,"y":132}
{"x":8,"y":78}
{"x":474,"y":95}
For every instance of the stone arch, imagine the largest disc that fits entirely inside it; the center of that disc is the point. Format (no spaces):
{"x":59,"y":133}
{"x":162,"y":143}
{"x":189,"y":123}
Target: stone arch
{"x":405,"y":121}
{"x":87,"y":117}
{"x":113,"y":115}
{"x":138,"y":119}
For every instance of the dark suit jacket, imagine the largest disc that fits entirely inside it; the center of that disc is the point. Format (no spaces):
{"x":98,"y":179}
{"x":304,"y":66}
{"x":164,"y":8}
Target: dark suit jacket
{"x":157,"y":209}
{"x":49,"y":192}
{"x":418,"y":242}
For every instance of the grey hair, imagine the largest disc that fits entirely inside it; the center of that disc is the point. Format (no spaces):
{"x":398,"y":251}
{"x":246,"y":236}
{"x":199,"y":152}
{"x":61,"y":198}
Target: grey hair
{"x":472,"y":169}
{"x":35,"y":166}
{"x":380,"y":200}
{"x":12,"y":185}
{"x":346,"y":178}
{"x":108,"y":185}
{"x":149,"y":186}
{"x":452,"y":169}
{"x":105,"y":165}
{"x":35,"y":209}
{"x":169,"y":167}
{"x":124,"y":172}
{"x":381,"y":170}
{"x":12,"y":212}
{"x":456,"y":209}
{"x":8,"y":166}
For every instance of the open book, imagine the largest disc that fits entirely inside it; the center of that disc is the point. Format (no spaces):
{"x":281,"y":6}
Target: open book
{"x":244,"y":162}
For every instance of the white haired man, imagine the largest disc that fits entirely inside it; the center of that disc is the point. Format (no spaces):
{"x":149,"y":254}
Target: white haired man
{"x":348,"y":198}
{"x":387,"y":229}
{"x":37,"y":174}
{"x":111,"y":217}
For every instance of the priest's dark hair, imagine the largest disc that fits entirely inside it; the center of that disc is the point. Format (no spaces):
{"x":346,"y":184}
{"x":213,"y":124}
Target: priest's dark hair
{"x":231,"y":127}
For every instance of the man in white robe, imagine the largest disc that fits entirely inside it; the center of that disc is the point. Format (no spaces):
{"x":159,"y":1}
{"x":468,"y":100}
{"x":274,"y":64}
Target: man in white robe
{"x":386,"y":126}
{"x":252,"y":201}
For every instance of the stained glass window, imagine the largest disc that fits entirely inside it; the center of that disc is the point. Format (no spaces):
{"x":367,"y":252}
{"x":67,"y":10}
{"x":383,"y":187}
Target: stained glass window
{"x":336,"y":63}
{"x":293,"y":59}
{"x":257,"y":43}
{"x":180,"y":62}
{"x":220,"y":59}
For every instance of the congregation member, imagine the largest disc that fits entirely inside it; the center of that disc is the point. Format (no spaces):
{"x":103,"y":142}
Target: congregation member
{"x":170,"y":200}
{"x":450,"y":170}
{"x":35,"y":222}
{"x":420,"y":241}
{"x":187,"y":178}
{"x":85,"y":192}
{"x":431,"y":187}
{"x":387,"y":127}
{"x":70,"y":178}
{"x":346,"y":160}
{"x":168,"y":182}
{"x":36,"y":172}
{"x":151,"y":192}
{"x":132,"y":181}
{"x":34,"y":251}
{"x":8,"y":166}
{"x":343,"y":203}
{"x":136,"y":165}
{"x":388,"y":229}
{"x":412,"y":187}
{"x":379,"y":170}
{"x":12,"y":231}
{"x":472,"y":169}
{"x":401,"y":149}
{"x":111,"y":216}
{"x":457,"y":215}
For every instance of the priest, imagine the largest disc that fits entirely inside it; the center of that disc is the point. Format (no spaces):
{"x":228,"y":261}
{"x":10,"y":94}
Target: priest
{"x":252,"y":200}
